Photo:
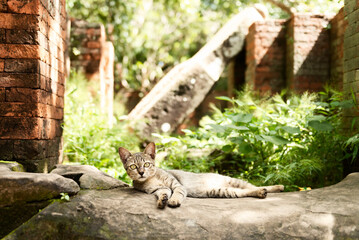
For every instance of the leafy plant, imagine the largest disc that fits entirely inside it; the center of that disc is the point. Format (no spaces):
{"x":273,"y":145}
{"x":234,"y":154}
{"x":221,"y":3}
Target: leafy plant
{"x":294,"y":141}
{"x":65,"y":197}
{"x":88,"y":139}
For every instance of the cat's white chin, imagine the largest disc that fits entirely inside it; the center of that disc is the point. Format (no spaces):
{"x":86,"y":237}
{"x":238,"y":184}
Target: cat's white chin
{"x":141,"y":179}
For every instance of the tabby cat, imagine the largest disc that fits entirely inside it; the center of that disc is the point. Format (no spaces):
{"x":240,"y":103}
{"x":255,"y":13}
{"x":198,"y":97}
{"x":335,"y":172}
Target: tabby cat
{"x":172,"y":186}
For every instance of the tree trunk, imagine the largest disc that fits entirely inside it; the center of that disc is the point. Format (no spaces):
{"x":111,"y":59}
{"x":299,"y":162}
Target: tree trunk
{"x":186,"y":85}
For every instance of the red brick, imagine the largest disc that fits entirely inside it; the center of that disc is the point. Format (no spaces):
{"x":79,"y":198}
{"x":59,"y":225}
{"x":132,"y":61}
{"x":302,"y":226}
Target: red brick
{"x":25,"y":149}
{"x":20,"y":36}
{"x":2,"y":65}
{"x":23,"y":95}
{"x":22,"y":65}
{"x":20,"y":128}
{"x":2,"y":94}
{"x":26,"y":7}
{"x":94,"y":44}
{"x":19,"y":21}
{"x":18,"y":109}
{"x":2,"y":35}
{"x":19,"y":80}
{"x":6,"y":149}
{"x":51,"y":128}
{"x":3,"y":6}
{"x":19,"y":51}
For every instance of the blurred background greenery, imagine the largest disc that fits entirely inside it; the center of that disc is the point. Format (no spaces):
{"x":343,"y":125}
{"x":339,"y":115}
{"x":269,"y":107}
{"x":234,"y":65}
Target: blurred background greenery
{"x":289,"y":139}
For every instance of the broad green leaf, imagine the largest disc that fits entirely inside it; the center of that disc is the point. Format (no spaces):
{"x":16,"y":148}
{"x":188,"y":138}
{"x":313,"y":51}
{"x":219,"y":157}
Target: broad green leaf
{"x":291,"y":130}
{"x":245,"y":148}
{"x":242,"y":117}
{"x":241,"y":128}
{"x":320,"y":126}
{"x":224,"y":98}
{"x":218,"y":128}
{"x":237,"y":140}
{"x":277,"y":140}
{"x":317,"y":118}
{"x":227,"y":148}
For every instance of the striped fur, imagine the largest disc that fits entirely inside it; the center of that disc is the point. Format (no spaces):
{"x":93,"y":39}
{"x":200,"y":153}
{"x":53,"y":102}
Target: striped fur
{"x":171,"y":187}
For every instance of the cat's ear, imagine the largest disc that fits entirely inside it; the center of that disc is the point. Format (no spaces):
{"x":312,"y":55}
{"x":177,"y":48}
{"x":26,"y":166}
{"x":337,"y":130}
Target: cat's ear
{"x":124,"y":154}
{"x":151,"y":150}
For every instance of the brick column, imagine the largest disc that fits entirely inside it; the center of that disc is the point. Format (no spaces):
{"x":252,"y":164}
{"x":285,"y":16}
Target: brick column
{"x":32,"y":81}
{"x":351,"y":59}
{"x":86,"y":44}
{"x":265,"y":57}
{"x":337,"y":30}
{"x":308,"y":52}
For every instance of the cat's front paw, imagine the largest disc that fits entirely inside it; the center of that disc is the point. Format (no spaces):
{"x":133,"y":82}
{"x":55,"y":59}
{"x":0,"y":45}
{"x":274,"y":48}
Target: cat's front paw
{"x":162,"y":201}
{"x":174,"y":203}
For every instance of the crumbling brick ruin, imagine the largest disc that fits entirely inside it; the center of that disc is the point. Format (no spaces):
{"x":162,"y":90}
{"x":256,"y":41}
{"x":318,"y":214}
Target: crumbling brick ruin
{"x":92,"y":55}
{"x":296,"y":54}
{"x":32,"y":78}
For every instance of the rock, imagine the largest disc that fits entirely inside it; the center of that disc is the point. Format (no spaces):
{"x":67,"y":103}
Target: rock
{"x":88,"y":177}
{"x":179,"y":92}
{"x":123,"y":213}
{"x":11,"y":166}
{"x":13,"y":216}
{"x":22,"y":187}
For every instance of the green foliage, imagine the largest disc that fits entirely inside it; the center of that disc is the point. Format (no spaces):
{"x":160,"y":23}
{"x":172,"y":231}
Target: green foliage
{"x":88,"y":139}
{"x":65,"y":197}
{"x":295,"y":142}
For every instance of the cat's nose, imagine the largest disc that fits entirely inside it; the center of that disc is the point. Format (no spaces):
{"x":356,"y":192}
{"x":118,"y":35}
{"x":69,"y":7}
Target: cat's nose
{"x":141,"y":173}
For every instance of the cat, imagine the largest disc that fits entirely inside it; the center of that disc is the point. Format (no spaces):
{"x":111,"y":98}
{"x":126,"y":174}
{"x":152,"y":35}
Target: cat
{"x":171,"y":187}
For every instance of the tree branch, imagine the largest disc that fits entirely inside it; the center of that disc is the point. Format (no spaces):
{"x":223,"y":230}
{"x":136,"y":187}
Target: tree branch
{"x":282,"y":6}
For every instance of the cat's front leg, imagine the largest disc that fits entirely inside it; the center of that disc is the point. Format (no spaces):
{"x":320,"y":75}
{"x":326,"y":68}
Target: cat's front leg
{"x":162,"y":194}
{"x":178,"y":196}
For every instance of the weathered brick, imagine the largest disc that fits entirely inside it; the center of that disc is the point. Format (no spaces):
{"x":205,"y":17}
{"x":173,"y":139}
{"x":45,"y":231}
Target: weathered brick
{"x":26,"y":7}
{"x":19,"y":80}
{"x":25,"y":149}
{"x":22,"y":36}
{"x":2,"y":65}
{"x":20,"y":128}
{"x":6,"y":149}
{"x":2,"y":94}
{"x":51,"y":128}
{"x":19,"y":51}
{"x":19,"y":21}
{"x":2,"y":36}
{"x":23,"y":95}
{"x":19,"y":109}
{"x":22,"y":65}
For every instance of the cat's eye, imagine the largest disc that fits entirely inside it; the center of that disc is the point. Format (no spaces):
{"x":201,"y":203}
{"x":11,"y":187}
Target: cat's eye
{"x":133,"y":167}
{"x":146,"y":165}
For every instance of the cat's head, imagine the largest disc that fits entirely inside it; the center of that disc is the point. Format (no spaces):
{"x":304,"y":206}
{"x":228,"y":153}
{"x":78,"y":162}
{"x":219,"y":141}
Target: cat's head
{"x":139,"y":166}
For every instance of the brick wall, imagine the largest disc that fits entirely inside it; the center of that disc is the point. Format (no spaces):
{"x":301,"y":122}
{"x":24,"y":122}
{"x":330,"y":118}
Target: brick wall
{"x":351,"y":58}
{"x":86,"y":43}
{"x":308,"y":52}
{"x":337,"y":30}
{"x":301,"y":54}
{"x":32,"y":81}
{"x":266,"y":56}
{"x":92,"y":55}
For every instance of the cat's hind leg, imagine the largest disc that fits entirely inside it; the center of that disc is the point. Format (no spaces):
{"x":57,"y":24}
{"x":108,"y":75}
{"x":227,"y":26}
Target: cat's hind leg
{"x":274,"y":188}
{"x":239,"y":183}
{"x":230,"y":192}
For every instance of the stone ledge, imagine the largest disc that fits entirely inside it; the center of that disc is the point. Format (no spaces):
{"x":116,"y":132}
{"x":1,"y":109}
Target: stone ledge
{"x":123,"y":213}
